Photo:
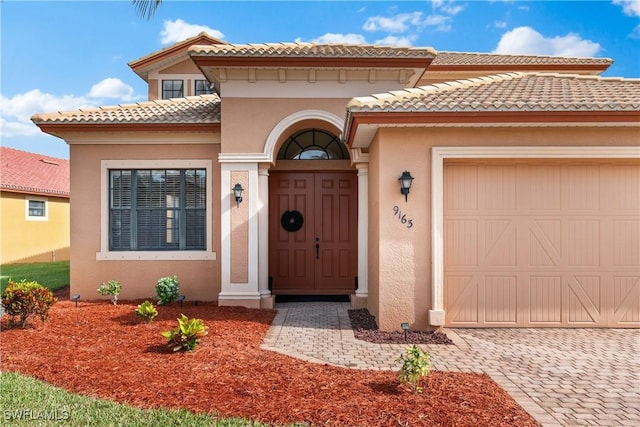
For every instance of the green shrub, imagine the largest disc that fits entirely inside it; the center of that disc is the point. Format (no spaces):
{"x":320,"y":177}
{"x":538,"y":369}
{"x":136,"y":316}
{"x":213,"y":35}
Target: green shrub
{"x":415,"y":365}
{"x":147,"y":311}
{"x":167,"y":290}
{"x":187,"y":335}
{"x":113,"y":288}
{"x":26,"y":298}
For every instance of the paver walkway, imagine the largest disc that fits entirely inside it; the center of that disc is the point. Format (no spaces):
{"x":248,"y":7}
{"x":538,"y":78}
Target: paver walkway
{"x":562,"y":377}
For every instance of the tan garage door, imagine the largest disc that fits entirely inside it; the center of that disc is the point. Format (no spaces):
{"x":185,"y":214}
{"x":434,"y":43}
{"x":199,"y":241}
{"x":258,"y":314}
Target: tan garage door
{"x":542,"y":244}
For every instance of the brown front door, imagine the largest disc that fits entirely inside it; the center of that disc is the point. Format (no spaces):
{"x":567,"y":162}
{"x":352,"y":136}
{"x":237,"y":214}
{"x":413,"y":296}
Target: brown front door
{"x":313,"y":232}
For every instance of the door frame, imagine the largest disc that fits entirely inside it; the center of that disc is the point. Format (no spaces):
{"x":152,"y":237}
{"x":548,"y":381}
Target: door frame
{"x":316,"y":168}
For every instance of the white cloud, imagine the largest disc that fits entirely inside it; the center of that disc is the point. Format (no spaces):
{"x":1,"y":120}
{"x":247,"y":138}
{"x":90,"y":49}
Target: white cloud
{"x":526,"y":40}
{"x":629,"y":7}
{"x":15,"y":112}
{"x":500,"y":24}
{"x":400,"y":41}
{"x":450,"y":9}
{"x":441,"y":22}
{"x":112,"y":88}
{"x":635,"y":33}
{"x":395,"y":24}
{"x":17,"y":128}
{"x":338,"y":38}
{"x":178,"y":30}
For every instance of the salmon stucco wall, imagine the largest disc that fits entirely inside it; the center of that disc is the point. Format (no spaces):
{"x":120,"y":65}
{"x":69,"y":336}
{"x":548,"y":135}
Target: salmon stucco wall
{"x":264,"y":115}
{"x":401,"y":229}
{"x":199,"y":279}
{"x":33,"y":240}
{"x":400,"y":256}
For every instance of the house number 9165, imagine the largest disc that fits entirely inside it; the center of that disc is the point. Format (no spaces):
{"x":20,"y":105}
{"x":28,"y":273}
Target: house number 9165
{"x":402,"y":217}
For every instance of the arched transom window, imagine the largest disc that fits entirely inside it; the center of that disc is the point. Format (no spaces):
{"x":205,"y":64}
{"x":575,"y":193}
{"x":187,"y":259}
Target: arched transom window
{"x":312,"y":144}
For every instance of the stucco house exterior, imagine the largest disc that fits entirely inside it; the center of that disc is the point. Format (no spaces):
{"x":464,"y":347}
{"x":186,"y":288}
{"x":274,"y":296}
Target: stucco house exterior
{"x":523,"y":211}
{"x":34,"y":207}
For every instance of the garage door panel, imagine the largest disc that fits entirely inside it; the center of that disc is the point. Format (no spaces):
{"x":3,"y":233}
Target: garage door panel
{"x":549,"y":243}
{"x":583,"y":242}
{"x":497,"y":184}
{"x":462,"y":249}
{"x":581,"y":188}
{"x":626,"y":242}
{"x":584,"y":300}
{"x":499,"y":242}
{"x":545,"y":238}
{"x":545,"y":299}
{"x":626,"y":301}
{"x":501,"y":296}
{"x":463,"y":295}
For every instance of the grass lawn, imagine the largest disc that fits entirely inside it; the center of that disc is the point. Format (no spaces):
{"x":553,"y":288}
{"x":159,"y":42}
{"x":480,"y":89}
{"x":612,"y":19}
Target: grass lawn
{"x":52,"y":275}
{"x":28,"y":402}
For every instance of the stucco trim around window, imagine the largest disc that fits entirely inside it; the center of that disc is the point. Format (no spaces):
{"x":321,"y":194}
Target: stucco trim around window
{"x":27,"y":208}
{"x":438,"y":157}
{"x":106,"y":255}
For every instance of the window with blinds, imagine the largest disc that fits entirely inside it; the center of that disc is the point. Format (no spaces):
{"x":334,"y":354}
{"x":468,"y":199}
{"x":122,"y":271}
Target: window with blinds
{"x":157,"y":209}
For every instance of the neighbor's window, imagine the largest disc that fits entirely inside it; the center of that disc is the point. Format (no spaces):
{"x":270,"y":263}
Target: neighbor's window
{"x":36,"y":209}
{"x":157,"y":209}
{"x":202,"y":87}
{"x":172,"y":89}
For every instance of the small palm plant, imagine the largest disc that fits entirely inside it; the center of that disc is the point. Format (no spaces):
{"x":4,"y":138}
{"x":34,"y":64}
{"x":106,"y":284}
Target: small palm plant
{"x":415,"y":366}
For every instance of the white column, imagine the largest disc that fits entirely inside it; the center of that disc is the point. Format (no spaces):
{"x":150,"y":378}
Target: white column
{"x":266,"y":299}
{"x":239,"y":293}
{"x":363,"y":230}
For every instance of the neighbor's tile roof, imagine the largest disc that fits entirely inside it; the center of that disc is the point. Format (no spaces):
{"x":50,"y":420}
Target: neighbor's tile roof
{"x":193,"y":109}
{"x":33,"y":173}
{"x":298,"y":50}
{"x":492,"y":59}
{"x":508,"y":93}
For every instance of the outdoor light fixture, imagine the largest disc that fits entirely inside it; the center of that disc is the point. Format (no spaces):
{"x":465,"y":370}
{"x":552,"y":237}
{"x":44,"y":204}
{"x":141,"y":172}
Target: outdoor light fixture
{"x":405,"y":183}
{"x":237,"y":193}
{"x":75,"y":299}
{"x":405,"y":328}
{"x":181,"y":299}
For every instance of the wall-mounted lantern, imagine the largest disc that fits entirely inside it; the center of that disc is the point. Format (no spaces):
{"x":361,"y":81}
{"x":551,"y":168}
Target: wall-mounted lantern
{"x":405,"y":184}
{"x":237,"y":193}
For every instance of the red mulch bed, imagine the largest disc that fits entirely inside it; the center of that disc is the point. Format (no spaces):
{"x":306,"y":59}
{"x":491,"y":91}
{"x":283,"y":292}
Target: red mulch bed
{"x":104,"y":351}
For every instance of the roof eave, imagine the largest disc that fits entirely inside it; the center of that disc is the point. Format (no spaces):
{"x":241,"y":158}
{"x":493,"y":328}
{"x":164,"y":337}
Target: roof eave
{"x":60,"y":128}
{"x":367,"y":120}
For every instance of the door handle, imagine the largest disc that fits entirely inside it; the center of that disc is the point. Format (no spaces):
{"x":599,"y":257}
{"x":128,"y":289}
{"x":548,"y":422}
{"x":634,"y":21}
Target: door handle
{"x":317,"y":248}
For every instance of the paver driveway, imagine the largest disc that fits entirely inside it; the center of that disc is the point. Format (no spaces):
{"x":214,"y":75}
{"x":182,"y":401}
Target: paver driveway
{"x":560,"y":376}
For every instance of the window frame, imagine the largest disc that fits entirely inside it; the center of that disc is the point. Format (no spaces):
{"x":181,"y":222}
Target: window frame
{"x":106,"y":253}
{"x":209,"y":90}
{"x":27,"y":210}
{"x":162,"y":94}
{"x":153,"y":220}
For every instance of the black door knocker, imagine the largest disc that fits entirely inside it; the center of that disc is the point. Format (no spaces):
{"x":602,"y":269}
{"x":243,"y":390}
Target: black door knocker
{"x":292,"y":221}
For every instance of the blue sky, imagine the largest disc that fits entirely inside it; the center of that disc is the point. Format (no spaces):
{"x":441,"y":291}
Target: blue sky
{"x":64,"y":55}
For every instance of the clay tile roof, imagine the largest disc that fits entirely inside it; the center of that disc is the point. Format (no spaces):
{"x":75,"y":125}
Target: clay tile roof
{"x":509,"y":93}
{"x":33,"y":173}
{"x":475,"y":59}
{"x":298,"y":50}
{"x":193,"y":109}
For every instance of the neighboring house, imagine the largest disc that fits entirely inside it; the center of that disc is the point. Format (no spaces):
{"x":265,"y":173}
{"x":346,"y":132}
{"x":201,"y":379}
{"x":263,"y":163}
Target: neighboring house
{"x":34,"y":207}
{"x":524,"y":210}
